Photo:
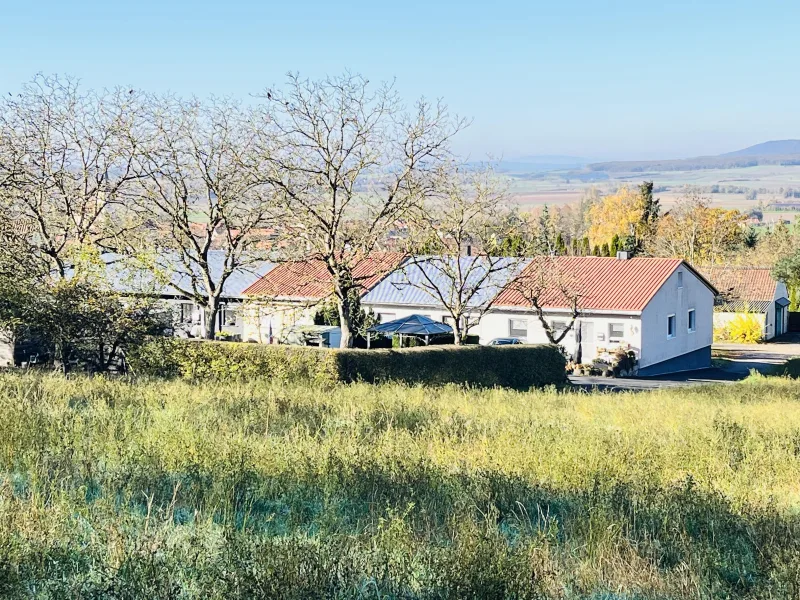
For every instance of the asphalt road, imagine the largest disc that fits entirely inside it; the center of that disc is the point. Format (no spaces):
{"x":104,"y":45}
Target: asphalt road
{"x":735,"y":361}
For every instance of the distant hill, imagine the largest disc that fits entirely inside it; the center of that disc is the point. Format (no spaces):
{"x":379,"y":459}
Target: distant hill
{"x":771,"y":148}
{"x":777,"y":152}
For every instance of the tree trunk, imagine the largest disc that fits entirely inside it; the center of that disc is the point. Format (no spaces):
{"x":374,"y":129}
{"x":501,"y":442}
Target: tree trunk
{"x":457,"y":335}
{"x":345,"y":322}
{"x":211,"y":310}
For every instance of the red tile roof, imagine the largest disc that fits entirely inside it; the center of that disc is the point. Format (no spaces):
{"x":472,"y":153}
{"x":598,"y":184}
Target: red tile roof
{"x":310,"y":279}
{"x":601,"y":283}
{"x":743,"y":283}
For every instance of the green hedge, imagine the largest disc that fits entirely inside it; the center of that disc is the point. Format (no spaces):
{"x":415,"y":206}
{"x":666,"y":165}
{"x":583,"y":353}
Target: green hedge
{"x":506,"y":366}
{"x":190,"y":359}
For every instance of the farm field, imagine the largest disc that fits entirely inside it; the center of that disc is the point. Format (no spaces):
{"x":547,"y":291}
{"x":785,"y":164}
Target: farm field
{"x":120,"y":489}
{"x":557,"y":188}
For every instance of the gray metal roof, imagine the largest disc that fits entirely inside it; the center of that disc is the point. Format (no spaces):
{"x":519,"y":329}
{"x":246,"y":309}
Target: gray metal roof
{"x":735,"y":306}
{"x":420,"y":283}
{"x":128,"y":276}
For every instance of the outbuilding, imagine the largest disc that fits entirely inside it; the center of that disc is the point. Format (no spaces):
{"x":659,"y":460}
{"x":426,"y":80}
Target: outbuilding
{"x":750,"y":291}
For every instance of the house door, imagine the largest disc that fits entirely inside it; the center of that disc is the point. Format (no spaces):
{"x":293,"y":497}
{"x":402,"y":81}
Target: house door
{"x":778,"y":320}
{"x":588,"y":342}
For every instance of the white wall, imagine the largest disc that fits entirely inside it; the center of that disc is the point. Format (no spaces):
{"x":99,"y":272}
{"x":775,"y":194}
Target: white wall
{"x":6,"y":350}
{"x":257,"y":319}
{"x":672,"y":299}
{"x":596,"y":329}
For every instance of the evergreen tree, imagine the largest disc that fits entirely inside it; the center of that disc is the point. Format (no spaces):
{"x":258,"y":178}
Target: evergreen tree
{"x":750,"y":237}
{"x":596,"y":251}
{"x":587,"y":249}
{"x":561,"y":247}
{"x":605,"y":251}
{"x":615,"y":245}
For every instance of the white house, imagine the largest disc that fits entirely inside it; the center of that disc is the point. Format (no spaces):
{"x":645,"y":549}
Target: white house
{"x":289,"y":296}
{"x":127,"y":277}
{"x":744,"y":290}
{"x":660,"y":308}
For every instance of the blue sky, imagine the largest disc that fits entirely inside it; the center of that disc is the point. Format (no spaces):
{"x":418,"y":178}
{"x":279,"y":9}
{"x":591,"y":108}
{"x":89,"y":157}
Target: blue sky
{"x":610,"y":79}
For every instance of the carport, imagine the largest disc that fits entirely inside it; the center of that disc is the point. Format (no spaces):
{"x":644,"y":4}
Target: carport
{"x":413,"y":325}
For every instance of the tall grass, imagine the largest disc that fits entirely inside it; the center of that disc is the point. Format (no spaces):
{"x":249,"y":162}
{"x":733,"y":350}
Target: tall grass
{"x":115,"y":489}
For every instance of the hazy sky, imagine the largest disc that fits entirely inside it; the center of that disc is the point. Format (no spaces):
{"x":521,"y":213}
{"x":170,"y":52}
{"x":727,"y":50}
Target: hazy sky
{"x":601,"y":79}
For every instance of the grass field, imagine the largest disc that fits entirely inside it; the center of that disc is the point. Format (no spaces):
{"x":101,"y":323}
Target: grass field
{"x":113,"y":489}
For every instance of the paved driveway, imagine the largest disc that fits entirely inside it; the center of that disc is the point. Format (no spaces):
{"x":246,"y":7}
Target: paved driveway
{"x":733,"y":363}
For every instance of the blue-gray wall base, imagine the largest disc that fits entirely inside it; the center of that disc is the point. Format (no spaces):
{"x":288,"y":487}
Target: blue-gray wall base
{"x":691,"y":361}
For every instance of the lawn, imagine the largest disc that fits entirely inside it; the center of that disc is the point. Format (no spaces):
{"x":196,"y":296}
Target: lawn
{"x":116,"y":489}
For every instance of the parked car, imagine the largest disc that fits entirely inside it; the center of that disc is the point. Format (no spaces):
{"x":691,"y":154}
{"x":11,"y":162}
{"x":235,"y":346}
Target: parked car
{"x":507,"y":341}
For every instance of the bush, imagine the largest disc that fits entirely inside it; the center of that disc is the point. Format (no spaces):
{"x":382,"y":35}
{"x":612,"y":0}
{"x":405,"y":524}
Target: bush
{"x":508,"y":366}
{"x":744,"y":328}
{"x":190,"y":359}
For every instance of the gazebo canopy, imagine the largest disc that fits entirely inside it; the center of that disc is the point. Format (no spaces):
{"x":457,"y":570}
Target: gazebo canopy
{"x":412,"y":325}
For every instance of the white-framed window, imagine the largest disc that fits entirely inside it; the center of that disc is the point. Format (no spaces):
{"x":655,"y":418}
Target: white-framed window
{"x":558,"y":327}
{"x":386,"y":317}
{"x":680,"y":279}
{"x":692,"y":321}
{"x":228,"y":315}
{"x":616,"y":331}
{"x":518,"y":328}
{"x":187,"y":312}
{"x":671,"y":327}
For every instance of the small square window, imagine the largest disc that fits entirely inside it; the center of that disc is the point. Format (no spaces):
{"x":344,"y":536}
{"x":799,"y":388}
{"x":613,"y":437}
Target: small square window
{"x":228,"y":316}
{"x":671,"y":326}
{"x":692,"y":322}
{"x":616,"y":331}
{"x":517,"y":328}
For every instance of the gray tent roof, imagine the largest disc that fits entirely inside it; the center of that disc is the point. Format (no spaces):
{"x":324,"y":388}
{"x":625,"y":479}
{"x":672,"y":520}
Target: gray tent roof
{"x":412,"y":325}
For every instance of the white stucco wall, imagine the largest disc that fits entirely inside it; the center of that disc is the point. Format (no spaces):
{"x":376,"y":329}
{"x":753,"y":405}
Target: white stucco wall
{"x":257,"y":318}
{"x":596,"y":329}
{"x":6,"y":350}
{"x":672,"y":299}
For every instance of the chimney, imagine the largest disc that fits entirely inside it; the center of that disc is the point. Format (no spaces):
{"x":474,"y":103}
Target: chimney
{"x":623,"y":255}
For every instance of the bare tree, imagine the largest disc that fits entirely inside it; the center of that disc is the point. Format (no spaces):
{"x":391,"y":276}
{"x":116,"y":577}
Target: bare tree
{"x":66,"y":162}
{"x":548,"y":282}
{"x":455,"y":246}
{"x":202,"y":187}
{"x":348,"y":162}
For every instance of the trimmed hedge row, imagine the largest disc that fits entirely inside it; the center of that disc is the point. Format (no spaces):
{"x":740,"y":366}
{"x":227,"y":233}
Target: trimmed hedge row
{"x":507,"y":366}
{"x":194,"y":359}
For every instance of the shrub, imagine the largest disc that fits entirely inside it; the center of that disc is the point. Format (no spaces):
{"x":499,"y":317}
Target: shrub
{"x":744,"y":328}
{"x":190,"y":359}
{"x":507,"y":366}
